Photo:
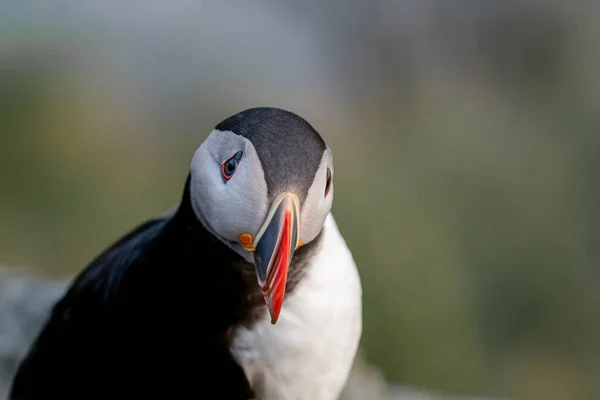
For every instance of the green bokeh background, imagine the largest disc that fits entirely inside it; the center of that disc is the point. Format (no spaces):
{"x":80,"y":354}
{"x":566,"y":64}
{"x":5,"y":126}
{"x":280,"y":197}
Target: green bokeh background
{"x":466,"y":145}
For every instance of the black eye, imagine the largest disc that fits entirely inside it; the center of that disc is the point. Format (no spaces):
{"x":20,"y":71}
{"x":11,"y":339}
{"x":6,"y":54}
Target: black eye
{"x":229,"y":166}
{"x":328,"y":182}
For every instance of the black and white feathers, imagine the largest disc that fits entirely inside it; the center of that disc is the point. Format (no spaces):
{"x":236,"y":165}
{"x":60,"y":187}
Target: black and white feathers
{"x":173,"y":308}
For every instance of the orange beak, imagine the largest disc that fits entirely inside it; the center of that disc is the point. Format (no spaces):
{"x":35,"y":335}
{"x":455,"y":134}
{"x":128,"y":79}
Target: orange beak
{"x":275,"y":247}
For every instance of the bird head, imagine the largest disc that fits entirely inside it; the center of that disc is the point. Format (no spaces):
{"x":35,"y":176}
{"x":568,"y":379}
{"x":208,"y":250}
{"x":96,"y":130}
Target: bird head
{"x":261,"y":182}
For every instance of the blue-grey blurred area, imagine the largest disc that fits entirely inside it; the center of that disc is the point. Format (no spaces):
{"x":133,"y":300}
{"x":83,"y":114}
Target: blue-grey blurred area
{"x":466,"y":143}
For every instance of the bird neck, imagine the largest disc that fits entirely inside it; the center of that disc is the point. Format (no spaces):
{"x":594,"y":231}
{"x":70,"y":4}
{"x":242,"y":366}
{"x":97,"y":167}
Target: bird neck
{"x":210,"y":271}
{"x":206,"y":271}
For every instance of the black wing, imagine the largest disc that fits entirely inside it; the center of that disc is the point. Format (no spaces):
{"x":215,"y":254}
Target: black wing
{"x":136,"y":324}
{"x":79,"y":318}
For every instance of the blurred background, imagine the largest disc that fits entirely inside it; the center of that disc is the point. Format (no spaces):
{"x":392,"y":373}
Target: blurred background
{"x":466,"y":143}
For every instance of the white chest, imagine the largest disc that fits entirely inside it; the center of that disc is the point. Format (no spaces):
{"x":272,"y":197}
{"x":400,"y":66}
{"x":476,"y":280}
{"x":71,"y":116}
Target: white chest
{"x":309,"y":352}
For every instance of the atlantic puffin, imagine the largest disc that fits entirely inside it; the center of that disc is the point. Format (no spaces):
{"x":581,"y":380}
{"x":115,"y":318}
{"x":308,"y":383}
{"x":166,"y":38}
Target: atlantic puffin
{"x":246,"y":290}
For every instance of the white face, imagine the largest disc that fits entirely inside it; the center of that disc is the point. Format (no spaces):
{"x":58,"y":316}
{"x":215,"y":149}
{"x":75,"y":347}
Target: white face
{"x":229,"y":208}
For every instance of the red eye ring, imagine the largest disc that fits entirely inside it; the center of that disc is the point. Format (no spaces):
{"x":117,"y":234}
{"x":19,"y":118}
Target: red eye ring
{"x":230,"y":165}
{"x":328,"y":182}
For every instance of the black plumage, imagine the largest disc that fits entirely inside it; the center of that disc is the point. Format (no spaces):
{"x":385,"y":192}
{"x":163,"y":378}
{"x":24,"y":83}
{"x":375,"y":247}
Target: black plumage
{"x":152,"y":316}
{"x":148,"y":318}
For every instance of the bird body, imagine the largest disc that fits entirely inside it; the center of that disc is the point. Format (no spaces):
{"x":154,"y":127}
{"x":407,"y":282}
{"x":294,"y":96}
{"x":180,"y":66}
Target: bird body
{"x":246,"y":290}
{"x":309,"y":352}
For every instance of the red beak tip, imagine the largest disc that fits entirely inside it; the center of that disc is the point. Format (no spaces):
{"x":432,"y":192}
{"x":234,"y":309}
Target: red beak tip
{"x":274,"y":311}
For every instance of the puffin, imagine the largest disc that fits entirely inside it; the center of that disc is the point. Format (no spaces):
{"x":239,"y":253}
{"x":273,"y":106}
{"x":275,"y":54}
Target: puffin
{"x":245,"y":290}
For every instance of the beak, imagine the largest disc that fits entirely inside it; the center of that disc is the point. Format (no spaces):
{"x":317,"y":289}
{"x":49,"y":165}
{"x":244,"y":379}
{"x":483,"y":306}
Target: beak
{"x":275,"y":245}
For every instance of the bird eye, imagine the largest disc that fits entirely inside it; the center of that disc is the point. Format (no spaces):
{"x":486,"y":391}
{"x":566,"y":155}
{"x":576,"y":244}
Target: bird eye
{"x":328,"y":182}
{"x":229,"y":166}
